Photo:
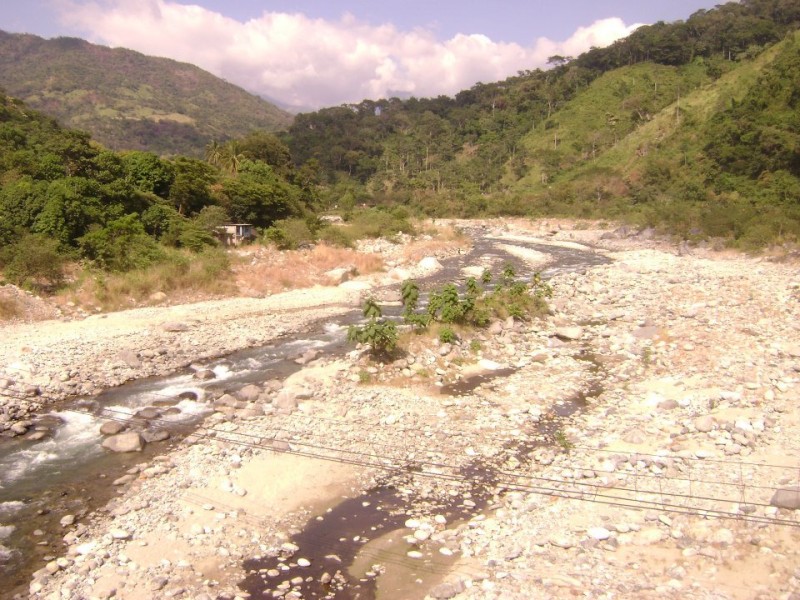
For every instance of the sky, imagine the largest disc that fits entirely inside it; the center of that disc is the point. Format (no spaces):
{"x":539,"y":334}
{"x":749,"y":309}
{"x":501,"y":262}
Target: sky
{"x":313,"y":53}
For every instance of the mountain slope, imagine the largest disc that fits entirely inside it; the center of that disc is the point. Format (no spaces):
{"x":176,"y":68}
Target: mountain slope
{"x":716,"y":158}
{"x":129,"y":101}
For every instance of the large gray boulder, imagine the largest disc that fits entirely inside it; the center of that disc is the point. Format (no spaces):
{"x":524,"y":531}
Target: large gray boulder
{"x":130,"y":441}
{"x":788,"y":497}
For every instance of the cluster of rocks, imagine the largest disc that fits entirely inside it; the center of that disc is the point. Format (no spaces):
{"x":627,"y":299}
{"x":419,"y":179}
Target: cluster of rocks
{"x":389,"y":421}
{"x":696,"y":421}
{"x":82,"y":358}
{"x":19,"y":403}
{"x":508,"y":486}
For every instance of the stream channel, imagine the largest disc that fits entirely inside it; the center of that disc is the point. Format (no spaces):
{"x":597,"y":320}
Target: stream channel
{"x":68,"y":472}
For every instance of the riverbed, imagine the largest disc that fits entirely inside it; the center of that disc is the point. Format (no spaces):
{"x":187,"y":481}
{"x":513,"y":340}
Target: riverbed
{"x":622,"y":346}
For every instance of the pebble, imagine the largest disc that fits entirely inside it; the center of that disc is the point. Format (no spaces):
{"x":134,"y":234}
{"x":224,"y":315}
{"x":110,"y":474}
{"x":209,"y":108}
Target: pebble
{"x":67,"y":520}
{"x":119,"y":534}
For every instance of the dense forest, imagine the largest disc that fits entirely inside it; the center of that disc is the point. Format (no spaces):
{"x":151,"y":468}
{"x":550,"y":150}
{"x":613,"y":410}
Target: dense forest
{"x":692,"y":127}
{"x":62,"y":195}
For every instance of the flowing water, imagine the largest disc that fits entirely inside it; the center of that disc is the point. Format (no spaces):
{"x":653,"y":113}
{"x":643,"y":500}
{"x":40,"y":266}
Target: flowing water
{"x":68,"y":472}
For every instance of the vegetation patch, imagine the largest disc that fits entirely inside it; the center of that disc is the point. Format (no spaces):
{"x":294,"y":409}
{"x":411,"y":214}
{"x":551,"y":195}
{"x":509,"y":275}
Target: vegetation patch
{"x":450,"y":311}
{"x":10,"y":308}
{"x":181,"y":276}
{"x":378,"y":333}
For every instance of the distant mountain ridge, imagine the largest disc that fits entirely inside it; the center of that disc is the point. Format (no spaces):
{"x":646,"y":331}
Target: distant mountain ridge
{"x":127,"y":100}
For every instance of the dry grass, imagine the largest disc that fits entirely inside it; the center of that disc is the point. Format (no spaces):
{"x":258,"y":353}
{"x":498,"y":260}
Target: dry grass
{"x":267,"y":270}
{"x":10,"y":308}
{"x":183,"y":278}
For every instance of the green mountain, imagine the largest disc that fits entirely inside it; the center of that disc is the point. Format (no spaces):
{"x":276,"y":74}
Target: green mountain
{"x":129,"y":101}
{"x":692,"y":126}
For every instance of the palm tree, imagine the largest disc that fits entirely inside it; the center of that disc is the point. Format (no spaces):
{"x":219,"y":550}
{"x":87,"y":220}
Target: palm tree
{"x":231,"y":157}
{"x":214,"y":153}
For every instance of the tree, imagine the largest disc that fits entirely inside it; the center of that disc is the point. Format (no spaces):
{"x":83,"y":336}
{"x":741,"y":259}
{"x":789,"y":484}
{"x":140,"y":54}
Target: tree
{"x":266,"y":147}
{"x":35,"y":261}
{"x":214,"y":153}
{"x":190,"y":190}
{"x":259,"y":196}
{"x":148,"y":173}
{"x":121,"y":245}
{"x":231,"y":158}
{"x":71,"y":205}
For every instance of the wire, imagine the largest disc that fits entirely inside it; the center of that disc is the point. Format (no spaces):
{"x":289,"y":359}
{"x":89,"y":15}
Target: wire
{"x":494,"y":477}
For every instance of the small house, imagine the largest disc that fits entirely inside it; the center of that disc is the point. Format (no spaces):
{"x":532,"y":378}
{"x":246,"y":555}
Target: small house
{"x":235,"y":234}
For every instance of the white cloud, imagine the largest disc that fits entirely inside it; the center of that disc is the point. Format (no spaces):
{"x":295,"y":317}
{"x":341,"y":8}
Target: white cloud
{"x":313,"y":62}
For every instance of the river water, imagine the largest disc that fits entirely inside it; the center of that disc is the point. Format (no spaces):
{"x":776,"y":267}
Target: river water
{"x":68,"y":472}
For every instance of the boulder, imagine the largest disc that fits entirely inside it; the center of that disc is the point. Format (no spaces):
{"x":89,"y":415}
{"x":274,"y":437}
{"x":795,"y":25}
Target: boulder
{"x":473,"y":271}
{"x":569,"y":333}
{"x":148,"y":413}
{"x":19,"y":428}
{"x":130,"y":441}
{"x":112,"y":428}
{"x":398,"y":274}
{"x":285,"y":401}
{"x":788,"y":497}
{"x":340,"y":275}
{"x":448,"y":589}
{"x":249,"y":393}
{"x":174,"y":326}
{"x":204,"y":374}
{"x":157,"y":435}
{"x":704,"y":424}
{"x":307,"y":356}
{"x":429,"y":264}
{"x":129,"y":358}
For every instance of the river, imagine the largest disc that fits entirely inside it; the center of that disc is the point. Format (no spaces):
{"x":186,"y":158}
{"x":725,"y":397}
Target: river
{"x":67,"y":471}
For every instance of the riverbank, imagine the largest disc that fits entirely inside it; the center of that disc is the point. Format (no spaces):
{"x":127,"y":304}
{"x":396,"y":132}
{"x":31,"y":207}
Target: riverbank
{"x":683,"y":367}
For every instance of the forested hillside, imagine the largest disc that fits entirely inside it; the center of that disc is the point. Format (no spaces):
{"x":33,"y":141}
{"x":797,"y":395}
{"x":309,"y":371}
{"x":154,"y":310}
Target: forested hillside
{"x":129,"y":101}
{"x":62,"y":196}
{"x":689,"y":125}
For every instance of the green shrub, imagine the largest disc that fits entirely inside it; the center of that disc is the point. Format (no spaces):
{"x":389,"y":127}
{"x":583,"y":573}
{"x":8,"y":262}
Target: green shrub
{"x":447,"y":306}
{"x":380,"y":334}
{"x":447,"y":335}
{"x":409,"y":293}
{"x":122,"y":245}
{"x":374,"y":223}
{"x":179,"y":271}
{"x":335,"y":236}
{"x":34,"y":261}
{"x":289,"y":234}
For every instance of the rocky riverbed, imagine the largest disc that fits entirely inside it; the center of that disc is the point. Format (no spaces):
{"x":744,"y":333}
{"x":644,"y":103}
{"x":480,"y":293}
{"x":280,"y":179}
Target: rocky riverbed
{"x":642,"y":441}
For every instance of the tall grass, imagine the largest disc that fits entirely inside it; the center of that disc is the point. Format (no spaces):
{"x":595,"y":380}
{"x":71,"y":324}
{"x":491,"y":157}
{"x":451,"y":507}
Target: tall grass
{"x":181,"y":275}
{"x":270,"y":271}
